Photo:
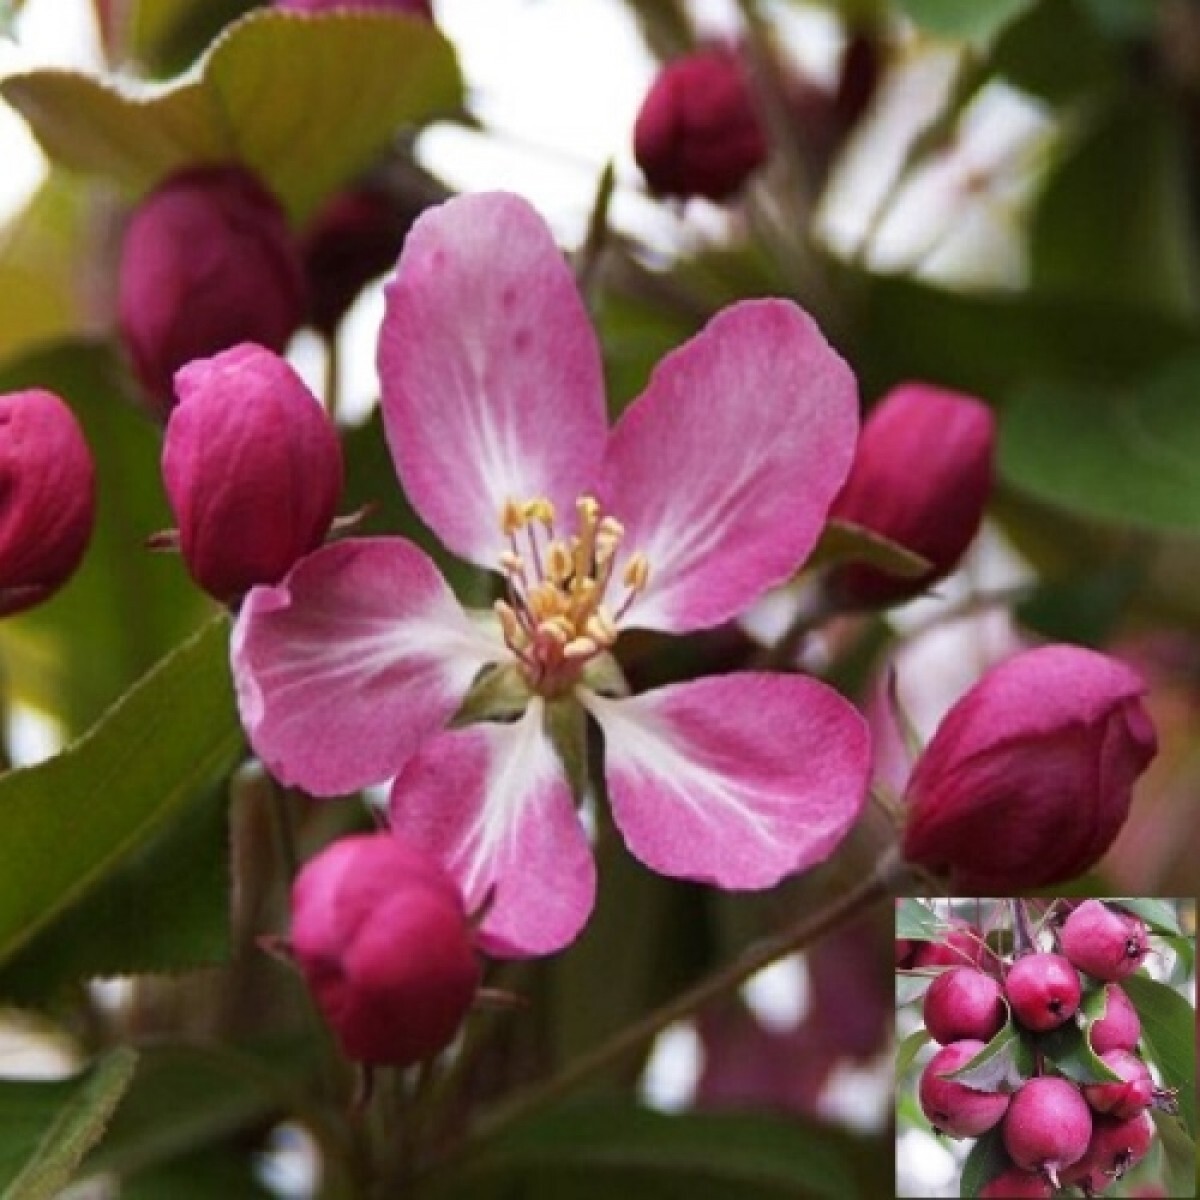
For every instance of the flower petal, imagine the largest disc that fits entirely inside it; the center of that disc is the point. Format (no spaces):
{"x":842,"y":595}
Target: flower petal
{"x":356,"y":656}
{"x":491,"y":374}
{"x":723,"y":471}
{"x":735,"y":780}
{"x":492,"y":803}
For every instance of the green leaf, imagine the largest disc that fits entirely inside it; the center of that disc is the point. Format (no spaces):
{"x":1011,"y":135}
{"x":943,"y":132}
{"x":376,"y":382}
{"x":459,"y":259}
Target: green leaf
{"x":69,"y":822}
{"x":909,"y":1049}
{"x":305,"y":101}
{"x":844,"y":542}
{"x":1179,"y":1151}
{"x":125,"y":607}
{"x":977,"y":21}
{"x":918,"y":922}
{"x":987,"y":1159}
{"x":1169,"y":1036}
{"x":599,"y":1150}
{"x":1072,"y":1053}
{"x":1158,"y":914}
{"x":1123,"y":454}
{"x":46,"y":1128}
{"x":1001,"y":1066}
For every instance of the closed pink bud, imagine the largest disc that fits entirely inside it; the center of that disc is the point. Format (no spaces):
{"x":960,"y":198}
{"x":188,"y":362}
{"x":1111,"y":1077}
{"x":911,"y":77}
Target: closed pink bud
{"x":417,"y":8}
{"x":252,"y":467}
{"x":381,"y":935}
{"x":208,"y":261}
{"x":47,"y":497}
{"x":921,"y":477}
{"x":697,"y":132}
{"x":1029,"y":776}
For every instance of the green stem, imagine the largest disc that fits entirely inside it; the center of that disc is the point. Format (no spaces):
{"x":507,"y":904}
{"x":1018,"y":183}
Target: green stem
{"x":874,"y":887}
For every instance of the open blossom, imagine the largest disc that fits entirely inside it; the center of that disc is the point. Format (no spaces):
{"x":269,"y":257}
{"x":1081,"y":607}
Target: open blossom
{"x":712,"y":487}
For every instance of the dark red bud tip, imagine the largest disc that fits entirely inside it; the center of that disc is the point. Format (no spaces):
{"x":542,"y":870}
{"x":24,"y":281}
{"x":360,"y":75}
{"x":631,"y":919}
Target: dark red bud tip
{"x":1030,"y":775}
{"x":381,"y":935}
{"x":698,"y":132}
{"x":208,"y":261}
{"x":47,"y":497}
{"x":921,"y":477}
{"x":252,"y":467}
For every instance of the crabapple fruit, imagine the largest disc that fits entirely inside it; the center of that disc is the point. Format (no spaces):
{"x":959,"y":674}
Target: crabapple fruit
{"x":1048,"y":1125}
{"x":1104,"y":942}
{"x":1015,"y":1184}
{"x":963,"y":946}
{"x":964,"y":1003}
{"x":1123,"y":1100}
{"x":953,"y":1108}
{"x":1120,"y":1027}
{"x":1043,"y":990}
{"x":1115,"y":1147}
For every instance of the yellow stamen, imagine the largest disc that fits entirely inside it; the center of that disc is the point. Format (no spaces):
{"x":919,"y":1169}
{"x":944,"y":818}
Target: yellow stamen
{"x":637,"y":572}
{"x":512,"y":519}
{"x":580,"y":647}
{"x":560,"y":564}
{"x":512,"y":563}
{"x":540,"y":509}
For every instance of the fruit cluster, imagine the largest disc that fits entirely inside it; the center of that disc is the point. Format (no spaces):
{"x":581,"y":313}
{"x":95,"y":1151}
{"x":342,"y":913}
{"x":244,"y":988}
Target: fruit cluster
{"x":1058,"y":1132}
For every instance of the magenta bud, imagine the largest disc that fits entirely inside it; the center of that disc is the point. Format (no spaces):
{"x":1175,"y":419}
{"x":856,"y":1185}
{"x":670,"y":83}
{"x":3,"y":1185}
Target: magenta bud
{"x":1029,"y":776}
{"x":208,"y":261}
{"x":355,"y":238}
{"x":1048,"y":1125}
{"x":698,"y":132}
{"x":416,"y":8}
{"x":381,"y":935}
{"x":951,"y":1107}
{"x":921,"y":477}
{"x":1043,"y":990}
{"x":1120,"y":1027}
{"x":47,"y":497}
{"x":1105,"y":942}
{"x":252,"y":467}
{"x":1126,"y":1099}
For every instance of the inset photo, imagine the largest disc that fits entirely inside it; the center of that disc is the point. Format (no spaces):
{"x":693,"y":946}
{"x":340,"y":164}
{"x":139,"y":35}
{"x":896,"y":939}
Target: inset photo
{"x":1046,"y":1047}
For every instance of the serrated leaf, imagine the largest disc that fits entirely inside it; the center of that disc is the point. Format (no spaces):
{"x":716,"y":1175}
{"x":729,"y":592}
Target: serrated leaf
{"x":1001,"y":1066}
{"x":918,"y":922}
{"x":1169,"y":1036}
{"x":599,"y":1150}
{"x":1072,"y":1054}
{"x":986,"y":1160}
{"x":304,"y":101}
{"x":66,"y":824}
{"x":908,"y":1051}
{"x":1158,"y":914}
{"x":845,"y":542}
{"x":46,"y":1128}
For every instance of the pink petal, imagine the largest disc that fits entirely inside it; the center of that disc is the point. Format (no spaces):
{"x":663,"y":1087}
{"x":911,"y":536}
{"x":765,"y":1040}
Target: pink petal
{"x":491,"y":374}
{"x":359,"y":654}
{"x":492,"y":803}
{"x":723,"y":471}
{"x":736,"y":780}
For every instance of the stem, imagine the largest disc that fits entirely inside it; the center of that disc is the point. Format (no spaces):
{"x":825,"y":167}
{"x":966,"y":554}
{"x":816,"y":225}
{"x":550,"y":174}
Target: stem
{"x":333,"y":375}
{"x":725,"y":979}
{"x":1022,"y":937}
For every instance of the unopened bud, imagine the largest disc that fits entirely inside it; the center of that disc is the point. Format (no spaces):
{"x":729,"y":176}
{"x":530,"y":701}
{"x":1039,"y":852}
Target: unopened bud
{"x":252,"y":467}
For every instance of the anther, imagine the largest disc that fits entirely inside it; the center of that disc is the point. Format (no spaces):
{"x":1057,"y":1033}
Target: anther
{"x":540,"y":510}
{"x":637,"y":572}
{"x":580,"y":647}
{"x":560,"y":565}
{"x":512,"y":518}
{"x":601,"y":628}
{"x":511,"y":563}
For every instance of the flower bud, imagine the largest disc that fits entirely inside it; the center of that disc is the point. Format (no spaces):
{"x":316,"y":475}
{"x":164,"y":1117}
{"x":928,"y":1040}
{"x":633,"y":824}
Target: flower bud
{"x":47,"y":497}
{"x":1029,"y":776}
{"x":417,"y":8}
{"x":252,"y":467}
{"x":381,"y":935}
{"x":355,"y":238}
{"x":921,"y":477}
{"x":208,"y":261}
{"x":697,"y":132}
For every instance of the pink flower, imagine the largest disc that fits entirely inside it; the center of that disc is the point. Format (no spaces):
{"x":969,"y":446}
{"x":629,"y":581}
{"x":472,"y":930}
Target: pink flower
{"x":382,"y":938}
{"x":698,"y":132}
{"x":1029,"y":777}
{"x":711,"y":488}
{"x":252,"y":467}
{"x":921,"y":477}
{"x":47,"y":497}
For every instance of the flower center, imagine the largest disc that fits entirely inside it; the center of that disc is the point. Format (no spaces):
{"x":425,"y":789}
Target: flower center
{"x":555,"y":619}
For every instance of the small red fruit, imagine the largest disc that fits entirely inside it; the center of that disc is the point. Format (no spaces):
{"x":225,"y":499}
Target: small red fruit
{"x":1120,"y":1027}
{"x":1115,"y":1147}
{"x":1123,"y":1100}
{"x":1105,"y":942}
{"x":953,"y":1108}
{"x":1043,"y":990}
{"x":1015,"y":1184}
{"x":963,"y":946}
{"x":964,"y":1003}
{"x":1048,"y":1125}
